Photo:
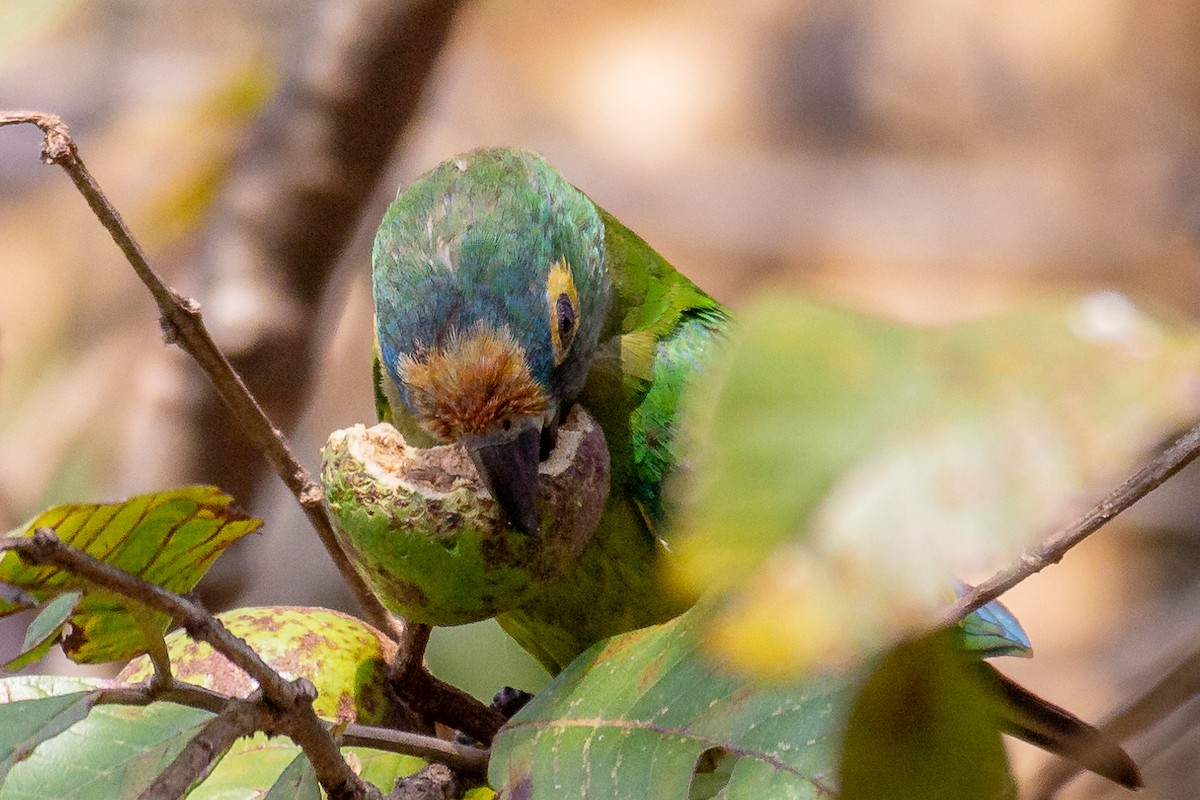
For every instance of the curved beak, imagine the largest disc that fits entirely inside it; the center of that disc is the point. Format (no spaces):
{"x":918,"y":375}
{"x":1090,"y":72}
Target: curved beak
{"x":510,"y":470}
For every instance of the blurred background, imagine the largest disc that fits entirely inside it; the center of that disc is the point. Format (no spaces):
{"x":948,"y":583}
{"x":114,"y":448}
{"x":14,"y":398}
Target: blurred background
{"x":927,"y":160}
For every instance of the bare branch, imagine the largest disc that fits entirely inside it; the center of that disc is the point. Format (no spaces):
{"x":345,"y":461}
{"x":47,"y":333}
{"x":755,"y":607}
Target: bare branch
{"x":465,"y":759}
{"x":180,"y":693}
{"x":432,"y":697}
{"x":1053,"y":548}
{"x":196,"y":760}
{"x":293,"y":699}
{"x":182,"y":325}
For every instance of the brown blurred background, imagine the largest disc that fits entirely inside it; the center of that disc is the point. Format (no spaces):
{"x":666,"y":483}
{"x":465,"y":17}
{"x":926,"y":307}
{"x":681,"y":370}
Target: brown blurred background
{"x":928,"y":160}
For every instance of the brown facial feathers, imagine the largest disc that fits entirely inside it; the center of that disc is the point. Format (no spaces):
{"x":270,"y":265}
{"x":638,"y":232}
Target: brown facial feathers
{"x":470,"y":384}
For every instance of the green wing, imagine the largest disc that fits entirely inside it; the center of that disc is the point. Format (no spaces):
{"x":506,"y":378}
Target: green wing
{"x":662,"y":333}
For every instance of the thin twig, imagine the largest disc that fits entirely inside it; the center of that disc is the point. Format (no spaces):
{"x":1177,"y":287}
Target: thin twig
{"x":180,"y":693}
{"x":182,"y":325}
{"x":156,"y":645}
{"x":1053,"y":548}
{"x":465,"y":759}
{"x":293,"y":699}
{"x":432,"y":697}
{"x":198,"y":757}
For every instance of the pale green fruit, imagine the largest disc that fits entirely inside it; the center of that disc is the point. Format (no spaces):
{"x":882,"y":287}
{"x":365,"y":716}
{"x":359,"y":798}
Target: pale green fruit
{"x":423,"y":531}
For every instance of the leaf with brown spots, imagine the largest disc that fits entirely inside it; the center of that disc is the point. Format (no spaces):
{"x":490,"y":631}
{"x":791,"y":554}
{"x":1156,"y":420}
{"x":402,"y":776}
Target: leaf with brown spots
{"x":169,"y":538}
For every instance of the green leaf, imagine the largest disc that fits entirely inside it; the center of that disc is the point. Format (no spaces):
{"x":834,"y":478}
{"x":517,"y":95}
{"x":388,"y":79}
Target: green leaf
{"x":298,"y":782}
{"x":24,"y":724}
{"x":644,"y":715}
{"x":848,"y":467}
{"x":169,"y":538}
{"x":116,"y":751}
{"x":43,"y":632}
{"x":922,"y":727}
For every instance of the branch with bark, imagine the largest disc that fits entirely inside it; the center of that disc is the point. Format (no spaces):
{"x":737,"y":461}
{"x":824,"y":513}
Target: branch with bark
{"x":183,"y":326}
{"x":295,"y":195}
{"x":1052,"y":549}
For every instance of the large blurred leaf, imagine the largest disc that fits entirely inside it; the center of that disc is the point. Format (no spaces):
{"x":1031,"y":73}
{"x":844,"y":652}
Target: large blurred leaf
{"x":169,"y":538}
{"x":26,"y":21}
{"x":847,"y":467}
{"x":922,"y":726}
{"x":643,"y":715}
{"x":115,"y":752}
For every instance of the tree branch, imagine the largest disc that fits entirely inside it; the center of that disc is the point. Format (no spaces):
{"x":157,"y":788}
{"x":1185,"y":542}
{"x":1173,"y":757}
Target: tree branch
{"x":432,"y":697}
{"x":464,"y":759}
{"x":294,"y":197}
{"x":292,"y":699}
{"x":198,"y":757}
{"x":1053,"y":548}
{"x":182,"y":325}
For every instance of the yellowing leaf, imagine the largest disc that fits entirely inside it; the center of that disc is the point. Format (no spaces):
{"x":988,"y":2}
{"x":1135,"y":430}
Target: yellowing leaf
{"x":169,"y":538}
{"x":847,"y":468}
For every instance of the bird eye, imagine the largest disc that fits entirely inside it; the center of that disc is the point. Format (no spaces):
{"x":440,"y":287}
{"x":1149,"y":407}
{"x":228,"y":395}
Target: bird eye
{"x":566,"y":318}
{"x":564,"y":309}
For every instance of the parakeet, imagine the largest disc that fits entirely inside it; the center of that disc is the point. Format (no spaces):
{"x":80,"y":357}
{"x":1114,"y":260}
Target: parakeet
{"x":503,"y":295}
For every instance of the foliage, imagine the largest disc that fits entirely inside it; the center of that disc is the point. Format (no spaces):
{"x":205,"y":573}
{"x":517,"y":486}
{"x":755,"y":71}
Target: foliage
{"x":169,"y":538}
{"x":832,"y":499}
{"x":791,"y":703}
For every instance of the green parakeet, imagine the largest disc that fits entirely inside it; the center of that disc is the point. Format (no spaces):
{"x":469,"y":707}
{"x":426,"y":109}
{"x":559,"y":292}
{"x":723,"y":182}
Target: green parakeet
{"x":503,"y":295}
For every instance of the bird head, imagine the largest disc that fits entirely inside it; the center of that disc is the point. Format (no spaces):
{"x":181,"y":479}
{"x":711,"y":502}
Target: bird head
{"x":490,"y":297}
